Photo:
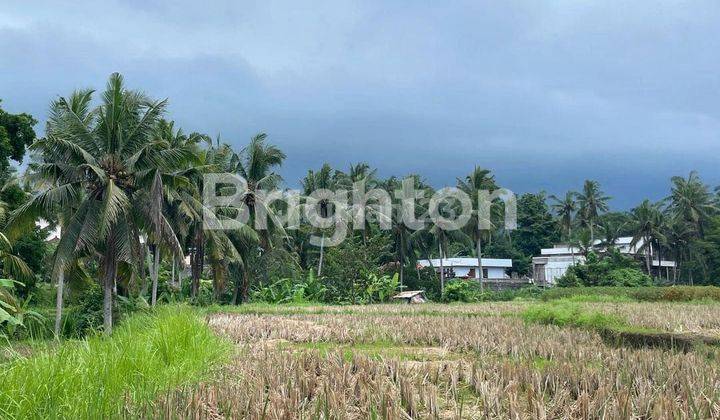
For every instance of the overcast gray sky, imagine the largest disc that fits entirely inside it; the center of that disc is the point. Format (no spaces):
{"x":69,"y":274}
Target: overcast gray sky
{"x":545,"y":94}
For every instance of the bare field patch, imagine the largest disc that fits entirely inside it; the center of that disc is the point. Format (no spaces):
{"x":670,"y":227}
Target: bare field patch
{"x":398,"y":362}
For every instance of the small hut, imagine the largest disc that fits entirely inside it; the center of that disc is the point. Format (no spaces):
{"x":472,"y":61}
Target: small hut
{"x":411,"y":296}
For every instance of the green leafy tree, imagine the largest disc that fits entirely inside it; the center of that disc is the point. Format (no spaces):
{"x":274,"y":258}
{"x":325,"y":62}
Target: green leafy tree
{"x":16,"y":133}
{"x":350,"y":266}
{"x":536,"y":228}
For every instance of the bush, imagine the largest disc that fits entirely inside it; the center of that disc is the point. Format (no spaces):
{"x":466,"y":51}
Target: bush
{"x":380,"y":288}
{"x":628,"y":277}
{"x":459,"y":290}
{"x":205,"y":296}
{"x":85,"y":315}
{"x":596,"y":271}
{"x":527,"y":292}
{"x":462,"y":290}
{"x":569,"y":313}
{"x":17,"y":320}
{"x":569,"y":279}
{"x":288,"y":290}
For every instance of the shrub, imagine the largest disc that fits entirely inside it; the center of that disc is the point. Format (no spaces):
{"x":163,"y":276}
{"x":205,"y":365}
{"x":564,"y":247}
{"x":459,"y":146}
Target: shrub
{"x":16,"y":318}
{"x":459,"y":290}
{"x":380,"y":288}
{"x":85,"y":316}
{"x":569,"y":279}
{"x":288,"y":290}
{"x":596,"y":270}
{"x":628,"y":277}
{"x":565,"y":313}
{"x":527,"y":292}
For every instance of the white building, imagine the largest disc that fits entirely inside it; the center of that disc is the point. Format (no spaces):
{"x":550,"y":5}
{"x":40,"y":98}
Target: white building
{"x":554,"y":262}
{"x":467,"y":267}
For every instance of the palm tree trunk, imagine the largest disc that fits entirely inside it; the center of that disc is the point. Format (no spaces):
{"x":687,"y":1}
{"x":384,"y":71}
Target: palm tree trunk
{"x":322,"y":248}
{"x":245,"y":286}
{"x":442,"y":270}
{"x":479,"y":258}
{"x":148,"y":259}
{"x":236,"y":287}
{"x":154,"y":274}
{"x":402,"y":260}
{"x":110,"y":263}
{"x":197,"y":262}
{"x":59,"y":302}
{"x":179,"y":276}
{"x":218,"y":280}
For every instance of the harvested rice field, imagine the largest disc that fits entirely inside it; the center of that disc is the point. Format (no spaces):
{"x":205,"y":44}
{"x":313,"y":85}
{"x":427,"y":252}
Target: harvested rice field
{"x":460,"y":361}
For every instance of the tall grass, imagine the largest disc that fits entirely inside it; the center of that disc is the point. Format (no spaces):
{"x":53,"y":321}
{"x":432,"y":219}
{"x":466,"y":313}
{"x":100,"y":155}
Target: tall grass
{"x":570,"y":313}
{"x":100,"y":377}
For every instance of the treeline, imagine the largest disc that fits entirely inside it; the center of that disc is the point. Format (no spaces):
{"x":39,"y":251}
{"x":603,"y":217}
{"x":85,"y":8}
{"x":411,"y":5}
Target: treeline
{"x":125,"y":188}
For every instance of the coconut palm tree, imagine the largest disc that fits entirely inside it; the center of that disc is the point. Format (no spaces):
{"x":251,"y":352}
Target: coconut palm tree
{"x":690,"y":200}
{"x":188,"y":211}
{"x":11,"y":264}
{"x":257,"y":163}
{"x":362,"y":173}
{"x":401,"y":234}
{"x":565,"y":209}
{"x":167,"y":187}
{"x":592,"y":202}
{"x":105,"y":161}
{"x":582,"y":241}
{"x":610,"y":232}
{"x":647,"y":225}
{"x":478,"y":180}
{"x":322,"y":179}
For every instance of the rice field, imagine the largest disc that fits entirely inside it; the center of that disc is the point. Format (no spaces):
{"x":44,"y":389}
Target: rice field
{"x":452,"y":361}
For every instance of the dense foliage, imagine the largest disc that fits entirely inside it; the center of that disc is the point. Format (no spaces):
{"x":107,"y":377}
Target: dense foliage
{"x":609,"y":269}
{"x":124,"y":186}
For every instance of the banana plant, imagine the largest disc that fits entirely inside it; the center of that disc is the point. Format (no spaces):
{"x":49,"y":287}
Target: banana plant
{"x":13,"y":311}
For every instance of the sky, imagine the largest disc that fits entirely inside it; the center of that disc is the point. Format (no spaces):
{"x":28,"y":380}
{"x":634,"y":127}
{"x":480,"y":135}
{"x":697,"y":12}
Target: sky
{"x":545,"y":94}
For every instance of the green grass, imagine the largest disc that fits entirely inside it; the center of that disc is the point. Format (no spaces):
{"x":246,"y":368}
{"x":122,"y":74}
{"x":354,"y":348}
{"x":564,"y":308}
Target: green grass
{"x":569,"y":313}
{"x":699,"y":294}
{"x":595,"y":298}
{"x":100,"y":377}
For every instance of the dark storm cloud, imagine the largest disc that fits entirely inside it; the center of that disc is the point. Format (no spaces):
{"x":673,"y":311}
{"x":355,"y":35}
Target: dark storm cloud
{"x":544,"y":94}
